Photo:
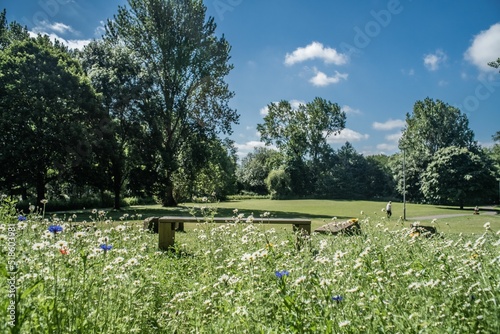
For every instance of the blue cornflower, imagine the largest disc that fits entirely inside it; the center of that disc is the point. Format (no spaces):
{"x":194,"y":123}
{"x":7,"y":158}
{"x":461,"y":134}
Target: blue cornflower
{"x":281,"y":273}
{"x":337,"y":298}
{"x":105,"y":247}
{"x":21,"y":218}
{"x":55,"y":228}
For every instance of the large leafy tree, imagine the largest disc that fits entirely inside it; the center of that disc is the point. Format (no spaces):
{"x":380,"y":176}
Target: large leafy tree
{"x":217,"y":177}
{"x":118,"y":77}
{"x":187,"y":64}
{"x":48,"y":113}
{"x":255,"y":168}
{"x":458,"y":176}
{"x":432,"y":126}
{"x":301,"y":134}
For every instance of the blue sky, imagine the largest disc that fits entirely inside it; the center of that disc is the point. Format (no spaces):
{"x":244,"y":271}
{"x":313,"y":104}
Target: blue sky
{"x":374,"y":58}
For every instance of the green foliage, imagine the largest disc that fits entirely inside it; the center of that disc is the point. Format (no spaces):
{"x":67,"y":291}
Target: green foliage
{"x":278,"y":183}
{"x":458,"y":176}
{"x":432,"y":126}
{"x":302,"y":132}
{"x":185,"y":64}
{"x":48,"y":111}
{"x":215,"y":177}
{"x":10,"y":32}
{"x":117,"y":75}
{"x":255,"y":168}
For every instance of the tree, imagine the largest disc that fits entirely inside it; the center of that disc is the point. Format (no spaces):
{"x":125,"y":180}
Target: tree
{"x":49,"y":112}
{"x":118,"y":77}
{"x":495,"y":64}
{"x":380,"y":181}
{"x":278,"y":183}
{"x":458,"y":176}
{"x":186,"y":63}
{"x":301,"y":136}
{"x":216,"y":178}
{"x":496,"y":136}
{"x":255,"y":168}
{"x":10,"y":32}
{"x":433,"y":125}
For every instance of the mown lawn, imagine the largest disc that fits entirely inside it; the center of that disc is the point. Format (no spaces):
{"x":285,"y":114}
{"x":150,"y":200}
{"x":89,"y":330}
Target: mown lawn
{"x":320,"y":212}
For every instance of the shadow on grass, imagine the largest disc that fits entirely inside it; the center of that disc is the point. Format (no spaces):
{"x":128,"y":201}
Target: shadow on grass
{"x":227,"y":212}
{"x":139,"y":213}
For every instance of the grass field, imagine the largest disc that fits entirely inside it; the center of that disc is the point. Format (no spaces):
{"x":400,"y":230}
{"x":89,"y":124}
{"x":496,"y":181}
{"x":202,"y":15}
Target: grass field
{"x":56,"y":277}
{"x":322,"y":211}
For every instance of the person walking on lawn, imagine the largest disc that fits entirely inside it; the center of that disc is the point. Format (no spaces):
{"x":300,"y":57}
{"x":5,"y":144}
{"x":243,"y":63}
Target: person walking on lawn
{"x":388,"y":209}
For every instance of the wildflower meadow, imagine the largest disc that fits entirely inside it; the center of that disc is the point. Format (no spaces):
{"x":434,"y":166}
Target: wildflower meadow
{"x":108,"y":276}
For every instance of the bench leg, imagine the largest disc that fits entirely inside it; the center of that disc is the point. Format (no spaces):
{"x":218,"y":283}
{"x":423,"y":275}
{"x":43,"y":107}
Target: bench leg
{"x":304,"y":228}
{"x":166,"y":235}
{"x":304,"y":231}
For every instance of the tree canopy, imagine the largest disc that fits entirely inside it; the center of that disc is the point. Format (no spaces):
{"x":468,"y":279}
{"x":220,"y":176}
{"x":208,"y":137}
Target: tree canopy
{"x":187,"y":63}
{"x":49,"y":112}
{"x":457,"y":176}
{"x":433,"y":125}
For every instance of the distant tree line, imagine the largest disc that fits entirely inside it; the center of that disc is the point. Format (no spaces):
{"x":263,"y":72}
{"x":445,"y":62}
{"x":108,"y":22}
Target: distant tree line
{"x":143,"y":113}
{"x":439,"y":160}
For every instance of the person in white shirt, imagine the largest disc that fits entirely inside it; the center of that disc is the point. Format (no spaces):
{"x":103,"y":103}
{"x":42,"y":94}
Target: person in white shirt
{"x":388,"y":209}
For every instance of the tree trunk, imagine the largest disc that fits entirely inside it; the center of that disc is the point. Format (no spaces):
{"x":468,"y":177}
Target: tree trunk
{"x":116,"y":206}
{"x":117,"y":186}
{"x":40,"y":187}
{"x":168,"y":196}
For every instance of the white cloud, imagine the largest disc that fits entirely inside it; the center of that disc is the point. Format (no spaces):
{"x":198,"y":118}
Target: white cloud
{"x":349,"y":110}
{"x":384,"y":148}
{"x":248,"y":147}
{"x":76,"y":43}
{"x":394,"y":137}
{"x":443,"y":83}
{"x":316,"y":50}
{"x":321,"y":79}
{"x":71,"y":43}
{"x":389,"y":125}
{"x":296,"y":103}
{"x":44,"y":27}
{"x":346,"y":135}
{"x":485,"y":48}
{"x":100,"y":30}
{"x":264,"y":111}
{"x":409,"y":72}
{"x":432,"y":61}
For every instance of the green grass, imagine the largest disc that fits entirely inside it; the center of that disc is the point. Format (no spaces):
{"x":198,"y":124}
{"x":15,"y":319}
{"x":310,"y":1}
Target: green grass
{"x":322,"y":211}
{"x":244,"y":278}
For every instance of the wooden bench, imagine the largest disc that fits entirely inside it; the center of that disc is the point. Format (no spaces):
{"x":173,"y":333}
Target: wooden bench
{"x":165,"y":226}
